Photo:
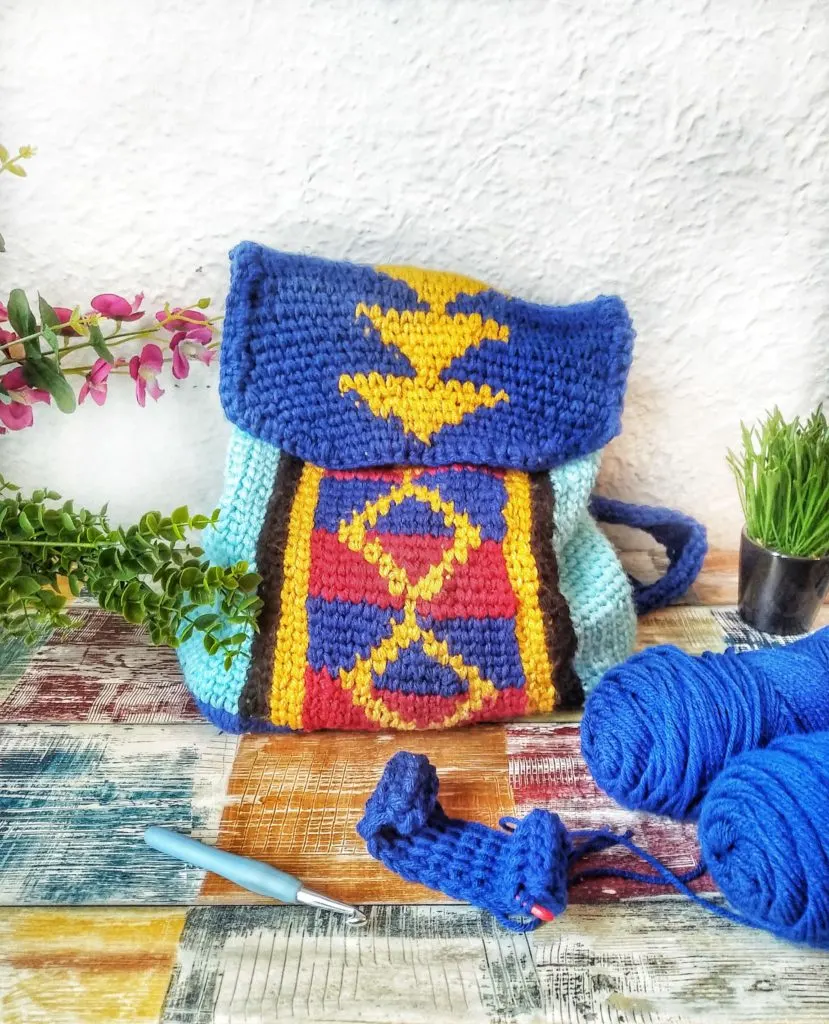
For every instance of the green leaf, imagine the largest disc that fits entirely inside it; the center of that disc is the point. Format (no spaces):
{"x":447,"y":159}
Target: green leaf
{"x":190,"y":578}
{"x":249,"y":582}
{"x":25,"y":586}
{"x":48,"y":317}
{"x":52,"y":600}
{"x":44,"y":373}
{"x":2,"y":244}
{"x":203,"y":303}
{"x":4,"y":154}
{"x":214,"y":576}
{"x":15,"y":169}
{"x":51,"y":339}
{"x":206,"y":621}
{"x":10,"y":566}
{"x":25,"y":526}
{"x":200,"y":522}
{"x":181,"y":515}
{"x":96,"y":340}
{"x":34,"y":513}
{"x":133,"y":612}
{"x":20,"y":314}
{"x":211,"y":644}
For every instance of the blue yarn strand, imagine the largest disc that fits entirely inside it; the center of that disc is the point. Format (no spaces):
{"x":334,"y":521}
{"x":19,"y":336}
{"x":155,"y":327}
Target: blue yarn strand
{"x":659,"y":729}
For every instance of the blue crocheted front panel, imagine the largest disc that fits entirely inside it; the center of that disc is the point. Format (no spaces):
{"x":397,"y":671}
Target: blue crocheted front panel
{"x":348,"y":366}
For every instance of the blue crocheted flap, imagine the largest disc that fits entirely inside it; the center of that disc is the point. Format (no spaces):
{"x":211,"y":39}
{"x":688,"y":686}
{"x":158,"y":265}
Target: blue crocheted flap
{"x":349,"y":366}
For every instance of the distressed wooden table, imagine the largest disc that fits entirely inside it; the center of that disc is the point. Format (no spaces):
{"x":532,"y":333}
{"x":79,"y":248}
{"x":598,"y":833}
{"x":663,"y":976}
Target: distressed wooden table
{"x":99,"y":739}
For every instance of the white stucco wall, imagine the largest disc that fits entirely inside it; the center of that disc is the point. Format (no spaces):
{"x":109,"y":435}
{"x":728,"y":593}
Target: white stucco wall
{"x":675,"y":153}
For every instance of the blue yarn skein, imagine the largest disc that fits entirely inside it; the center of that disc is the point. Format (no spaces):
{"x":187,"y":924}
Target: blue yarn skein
{"x":659,"y":728}
{"x":764,"y":833}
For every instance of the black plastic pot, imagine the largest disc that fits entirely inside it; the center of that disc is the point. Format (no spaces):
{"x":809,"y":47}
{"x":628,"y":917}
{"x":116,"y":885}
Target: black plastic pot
{"x":780,"y":593}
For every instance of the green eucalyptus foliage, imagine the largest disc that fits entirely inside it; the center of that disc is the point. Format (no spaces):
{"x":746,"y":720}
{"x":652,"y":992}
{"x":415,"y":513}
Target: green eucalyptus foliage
{"x":782,"y":478}
{"x":147,"y":573}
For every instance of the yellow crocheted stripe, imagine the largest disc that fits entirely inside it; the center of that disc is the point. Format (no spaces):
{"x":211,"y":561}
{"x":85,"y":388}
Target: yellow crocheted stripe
{"x":431,"y":340}
{"x":288,"y":689}
{"x":523,"y":576}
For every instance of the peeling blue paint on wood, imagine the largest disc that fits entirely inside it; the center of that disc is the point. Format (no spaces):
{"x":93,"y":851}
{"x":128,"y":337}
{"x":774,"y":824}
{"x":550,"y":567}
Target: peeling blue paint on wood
{"x":74,"y":801}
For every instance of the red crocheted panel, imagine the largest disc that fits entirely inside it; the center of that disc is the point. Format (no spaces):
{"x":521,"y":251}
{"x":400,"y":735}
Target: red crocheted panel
{"x":409,"y":598}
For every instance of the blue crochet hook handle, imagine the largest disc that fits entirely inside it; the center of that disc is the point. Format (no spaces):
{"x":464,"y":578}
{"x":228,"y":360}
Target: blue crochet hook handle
{"x":252,"y":875}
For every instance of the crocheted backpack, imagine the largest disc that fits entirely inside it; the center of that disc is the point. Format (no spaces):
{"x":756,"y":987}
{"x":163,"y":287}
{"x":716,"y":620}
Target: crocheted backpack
{"x":410,"y":471}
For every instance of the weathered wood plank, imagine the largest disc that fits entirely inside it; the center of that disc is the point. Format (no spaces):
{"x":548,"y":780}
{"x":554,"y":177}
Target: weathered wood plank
{"x":660,"y":962}
{"x":103,"y":671}
{"x":83,"y":966}
{"x":693,"y":629}
{"x":74,"y":801}
{"x":295,"y":801}
{"x":546,"y":769}
{"x":669,"y":962}
{"x":409,"y":964}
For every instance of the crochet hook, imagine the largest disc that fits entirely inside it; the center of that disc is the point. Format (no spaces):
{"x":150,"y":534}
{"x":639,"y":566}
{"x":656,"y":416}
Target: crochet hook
{"x":250,"y":874}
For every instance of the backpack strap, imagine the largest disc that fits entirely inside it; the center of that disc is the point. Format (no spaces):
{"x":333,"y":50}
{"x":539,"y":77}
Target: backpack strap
{"x":683,"y":538}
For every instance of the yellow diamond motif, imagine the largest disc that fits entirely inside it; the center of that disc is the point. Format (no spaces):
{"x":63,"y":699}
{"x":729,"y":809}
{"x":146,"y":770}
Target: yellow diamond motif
{"x":466,"y":536}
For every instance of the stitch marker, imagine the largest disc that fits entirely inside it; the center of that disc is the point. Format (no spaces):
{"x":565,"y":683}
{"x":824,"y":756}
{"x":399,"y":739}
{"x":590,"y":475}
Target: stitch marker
{"x":250,"y":874}
{"x":542,"y":913}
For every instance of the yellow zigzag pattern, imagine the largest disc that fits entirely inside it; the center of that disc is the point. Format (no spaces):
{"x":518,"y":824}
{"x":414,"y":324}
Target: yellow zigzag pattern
{"x":430,"y":339}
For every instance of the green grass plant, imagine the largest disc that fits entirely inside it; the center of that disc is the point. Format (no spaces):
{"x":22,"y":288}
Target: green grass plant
{"x":782,"y":476}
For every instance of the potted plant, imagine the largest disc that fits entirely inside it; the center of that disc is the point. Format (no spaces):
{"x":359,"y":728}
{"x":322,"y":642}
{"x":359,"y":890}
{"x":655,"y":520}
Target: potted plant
{"x":782,"y":476}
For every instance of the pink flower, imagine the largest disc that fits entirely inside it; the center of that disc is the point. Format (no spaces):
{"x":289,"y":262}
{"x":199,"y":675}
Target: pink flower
{"x":17,"y":414}
{"x":4,"y":314}
{"x":115,"y":307}
{"x":64,"y":315}
{"x":144,"y":370}
{"x":189,"y":345}
{"x":95,"y":384}
{"x":187,"y":320}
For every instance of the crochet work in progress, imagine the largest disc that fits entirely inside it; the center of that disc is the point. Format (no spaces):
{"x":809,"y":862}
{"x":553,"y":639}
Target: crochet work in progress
{"x":521,"y":878}
{"x":520,"y":874}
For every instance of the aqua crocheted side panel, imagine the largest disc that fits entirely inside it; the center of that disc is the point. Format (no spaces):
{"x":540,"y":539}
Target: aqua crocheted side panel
{"x":249,"y":475}
{"x":591,"y":578}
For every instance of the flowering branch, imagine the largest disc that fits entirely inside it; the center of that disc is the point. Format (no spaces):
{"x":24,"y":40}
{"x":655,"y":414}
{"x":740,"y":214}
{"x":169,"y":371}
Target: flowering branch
{"x":12,"y":165}
{"x":38,"y":355}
